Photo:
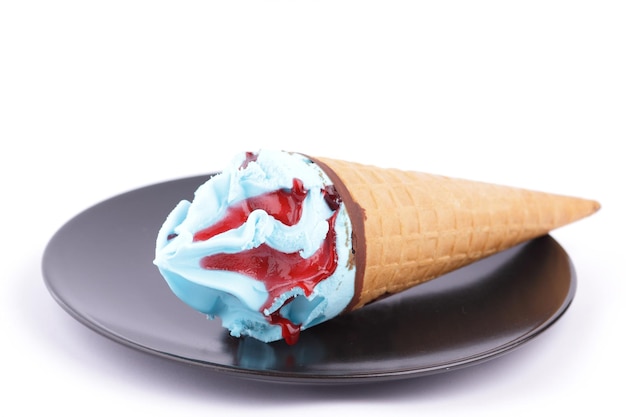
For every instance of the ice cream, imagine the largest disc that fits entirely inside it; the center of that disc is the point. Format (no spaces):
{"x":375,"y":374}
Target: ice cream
{"x":279,"y":242}
{"x":265,"y":246}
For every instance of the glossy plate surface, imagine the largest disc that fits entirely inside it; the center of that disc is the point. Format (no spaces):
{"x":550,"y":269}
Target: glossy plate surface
{"x":98,"y":267}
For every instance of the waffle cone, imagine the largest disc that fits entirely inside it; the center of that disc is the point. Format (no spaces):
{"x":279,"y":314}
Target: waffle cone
{"x":410,"y":227}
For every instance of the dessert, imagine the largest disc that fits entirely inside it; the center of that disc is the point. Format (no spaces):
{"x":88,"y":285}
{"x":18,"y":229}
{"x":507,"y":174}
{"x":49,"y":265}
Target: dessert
{"x":280,"y":242}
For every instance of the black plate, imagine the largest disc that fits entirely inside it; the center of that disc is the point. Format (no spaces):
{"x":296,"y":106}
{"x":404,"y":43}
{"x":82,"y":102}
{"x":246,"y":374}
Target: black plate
{"x":99,"y":268}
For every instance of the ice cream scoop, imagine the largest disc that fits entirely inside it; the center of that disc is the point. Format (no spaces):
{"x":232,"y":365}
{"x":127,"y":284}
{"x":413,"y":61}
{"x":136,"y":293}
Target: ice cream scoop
{"x":279,"y":242}
{"x":265,"y":245}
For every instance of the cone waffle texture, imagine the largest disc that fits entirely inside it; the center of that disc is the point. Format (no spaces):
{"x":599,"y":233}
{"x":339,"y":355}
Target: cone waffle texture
{"x":419,"y":226}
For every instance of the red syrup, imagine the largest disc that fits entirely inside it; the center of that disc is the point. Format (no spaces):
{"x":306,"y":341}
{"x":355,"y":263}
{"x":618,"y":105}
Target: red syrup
{"x":250,"y":157}
{"x":290,"y":331}
{"x":284,"y":205}
{"x":279,"y":271}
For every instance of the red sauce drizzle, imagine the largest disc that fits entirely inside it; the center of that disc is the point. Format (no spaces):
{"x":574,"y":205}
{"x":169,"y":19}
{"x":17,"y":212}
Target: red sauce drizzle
{"x":290,"y":331}
{"x":279,"y":271}
{"x":331,"y":197}
{"x":250,"y":157}
{"x":284,"y":205}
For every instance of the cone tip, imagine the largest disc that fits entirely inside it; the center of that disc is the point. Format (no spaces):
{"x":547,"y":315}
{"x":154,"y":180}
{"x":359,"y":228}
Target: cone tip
{"x":594,"y":206}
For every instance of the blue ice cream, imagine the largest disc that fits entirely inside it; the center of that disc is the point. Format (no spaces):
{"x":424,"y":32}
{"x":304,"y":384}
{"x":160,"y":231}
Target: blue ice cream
{"x":265,"y":246}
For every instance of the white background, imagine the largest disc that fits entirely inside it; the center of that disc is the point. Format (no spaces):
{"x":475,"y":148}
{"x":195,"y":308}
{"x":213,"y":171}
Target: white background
{"x":98,"y":98}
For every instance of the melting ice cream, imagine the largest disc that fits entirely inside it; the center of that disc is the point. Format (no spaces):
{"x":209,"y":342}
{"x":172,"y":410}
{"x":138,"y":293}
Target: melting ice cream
{"x":265,"y":246}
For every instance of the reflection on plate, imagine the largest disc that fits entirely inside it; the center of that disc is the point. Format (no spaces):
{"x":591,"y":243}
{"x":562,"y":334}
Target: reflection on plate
{"x":99,"y":268}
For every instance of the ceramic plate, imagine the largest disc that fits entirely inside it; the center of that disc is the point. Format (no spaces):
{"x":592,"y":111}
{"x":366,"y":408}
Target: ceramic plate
{"x":98,"y":267}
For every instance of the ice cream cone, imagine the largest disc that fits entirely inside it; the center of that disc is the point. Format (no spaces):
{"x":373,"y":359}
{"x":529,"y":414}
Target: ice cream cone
{"x":410,"y":227}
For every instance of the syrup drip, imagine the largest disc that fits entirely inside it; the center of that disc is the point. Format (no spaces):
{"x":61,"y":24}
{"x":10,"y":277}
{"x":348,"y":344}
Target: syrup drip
{"x":290,"y":331}
{"x":279,"y":271}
